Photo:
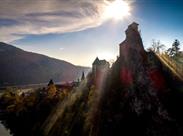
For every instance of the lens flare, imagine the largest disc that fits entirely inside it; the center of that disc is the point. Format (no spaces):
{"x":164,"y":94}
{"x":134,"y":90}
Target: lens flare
{"x":171,"y":65}
{"x":117,"y":10}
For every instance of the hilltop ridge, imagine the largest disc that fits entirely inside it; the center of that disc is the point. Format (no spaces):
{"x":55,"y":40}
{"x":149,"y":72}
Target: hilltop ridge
{"x":19,"y":67}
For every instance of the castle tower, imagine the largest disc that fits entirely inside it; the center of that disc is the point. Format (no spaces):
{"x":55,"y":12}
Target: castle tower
{"x":132,"y":55}
{"x":99,"y":70}
{"x":94,"y":66}
{"x":132,"y":42}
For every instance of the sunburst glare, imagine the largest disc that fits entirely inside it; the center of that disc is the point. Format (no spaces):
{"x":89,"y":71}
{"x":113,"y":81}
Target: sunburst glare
{"x":117,"y":10}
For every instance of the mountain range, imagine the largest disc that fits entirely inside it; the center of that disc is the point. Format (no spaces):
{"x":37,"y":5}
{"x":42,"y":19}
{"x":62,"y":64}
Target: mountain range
{"x":19,"y":67}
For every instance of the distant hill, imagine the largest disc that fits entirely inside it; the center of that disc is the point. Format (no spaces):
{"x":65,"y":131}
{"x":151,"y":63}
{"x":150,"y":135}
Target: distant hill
{"x":19,"y":67}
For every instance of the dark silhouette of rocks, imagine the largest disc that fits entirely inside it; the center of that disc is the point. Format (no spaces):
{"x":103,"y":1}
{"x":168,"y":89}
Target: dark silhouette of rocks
{"x":141,"y":95}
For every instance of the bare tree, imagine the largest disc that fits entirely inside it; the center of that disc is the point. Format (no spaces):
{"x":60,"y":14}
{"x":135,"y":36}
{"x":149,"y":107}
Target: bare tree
{"x":156,"y":46}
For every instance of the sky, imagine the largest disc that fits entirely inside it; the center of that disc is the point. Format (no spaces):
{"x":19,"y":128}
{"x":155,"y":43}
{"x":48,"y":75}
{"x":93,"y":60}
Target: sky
{"x":78,"y":30}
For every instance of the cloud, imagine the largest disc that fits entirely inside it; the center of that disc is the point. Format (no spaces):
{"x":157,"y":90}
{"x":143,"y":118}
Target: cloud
{"x":61,"y":49}
{"x":25,"y":17}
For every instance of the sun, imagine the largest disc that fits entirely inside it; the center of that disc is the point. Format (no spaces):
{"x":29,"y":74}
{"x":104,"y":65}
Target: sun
{"x":118,"y":9}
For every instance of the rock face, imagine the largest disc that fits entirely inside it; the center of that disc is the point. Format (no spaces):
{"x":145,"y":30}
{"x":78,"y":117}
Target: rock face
{"x":139,"y":94}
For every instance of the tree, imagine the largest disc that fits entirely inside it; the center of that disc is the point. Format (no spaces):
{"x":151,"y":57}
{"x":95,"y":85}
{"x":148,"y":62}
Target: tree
{"x":175,"y":47}
{"x":174,"y":50}
{"x":156,"y":46}
{"x":83,"y":76}
{"x":51,"y":89}
{"x":50,"y":82}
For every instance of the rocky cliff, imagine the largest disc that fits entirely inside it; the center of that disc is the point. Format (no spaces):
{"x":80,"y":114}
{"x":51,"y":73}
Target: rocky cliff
{"x":141,"y":95}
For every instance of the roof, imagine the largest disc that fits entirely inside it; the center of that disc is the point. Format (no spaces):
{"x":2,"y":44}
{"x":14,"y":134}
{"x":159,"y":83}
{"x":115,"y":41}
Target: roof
{"x":103,"y":62}
{"x":134,"y":24}
{"x":100,"y":62}
{"x":96,"y":61}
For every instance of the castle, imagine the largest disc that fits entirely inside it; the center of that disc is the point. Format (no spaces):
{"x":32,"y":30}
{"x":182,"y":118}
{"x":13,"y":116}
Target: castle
{"x":133,"y":41}
{"x":99,"y":69}
{"x":130,"y":46}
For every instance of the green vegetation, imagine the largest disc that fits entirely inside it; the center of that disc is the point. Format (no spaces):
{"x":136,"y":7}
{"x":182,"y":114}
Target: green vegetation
{"x":172,"y":56}
{"x":24,"y":113}
{"x":174,"y":50}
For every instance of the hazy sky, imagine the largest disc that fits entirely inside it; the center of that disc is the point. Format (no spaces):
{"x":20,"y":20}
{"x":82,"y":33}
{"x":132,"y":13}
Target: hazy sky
{"x":75,"y":30}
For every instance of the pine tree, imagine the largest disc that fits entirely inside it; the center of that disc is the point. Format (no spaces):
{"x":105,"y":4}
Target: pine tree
{"x":51,"y":89}
{"x":175,"y":48}
{"x":83,"y":76}
{"x":50,"y":82}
